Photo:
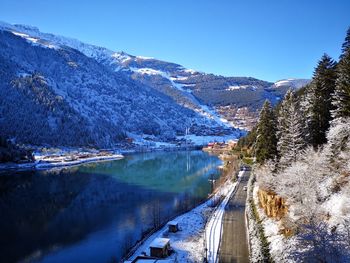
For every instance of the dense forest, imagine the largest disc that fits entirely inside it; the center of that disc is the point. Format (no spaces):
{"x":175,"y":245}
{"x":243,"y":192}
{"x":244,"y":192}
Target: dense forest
{"x":11,"y":152}
{"x":302,"y":147}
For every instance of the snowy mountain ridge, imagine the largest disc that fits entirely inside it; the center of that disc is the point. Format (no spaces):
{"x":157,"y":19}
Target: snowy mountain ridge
{"x":120,"y":92}
{"x":117,"y":60}
{"x":292,"y":83}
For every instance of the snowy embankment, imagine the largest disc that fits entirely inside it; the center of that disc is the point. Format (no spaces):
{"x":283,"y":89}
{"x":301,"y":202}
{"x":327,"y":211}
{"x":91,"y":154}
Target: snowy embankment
{"x":189,"y":242}
{"x":258,"y":246}
{"x":47,"y":161}
{"x":213,"y":230}
{"x":266,"y":243}
{"x":280,"y":248}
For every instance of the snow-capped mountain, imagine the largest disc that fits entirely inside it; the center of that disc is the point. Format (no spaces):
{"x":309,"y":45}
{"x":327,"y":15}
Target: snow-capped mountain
{"x":61,"y":91}
{"x":291,"y":83}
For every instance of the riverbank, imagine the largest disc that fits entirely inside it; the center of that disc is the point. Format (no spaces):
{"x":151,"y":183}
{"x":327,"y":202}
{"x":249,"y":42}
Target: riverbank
{"x":49,"y":157}
{"x":47,"y":161}
{"x":112,"y":204}
{"x":70,"y":160}
{"x":190,"y":243}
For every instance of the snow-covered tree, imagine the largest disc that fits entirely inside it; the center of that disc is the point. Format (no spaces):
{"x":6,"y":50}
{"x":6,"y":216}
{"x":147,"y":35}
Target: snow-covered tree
{"x":266,"y":141}
{"x":267,"y":178}
{"x":319,"y":100}
{"x":299,"y":183}
{"x":289,"y":131}
{"x":338,"y":136}
{"x":341,"y":98}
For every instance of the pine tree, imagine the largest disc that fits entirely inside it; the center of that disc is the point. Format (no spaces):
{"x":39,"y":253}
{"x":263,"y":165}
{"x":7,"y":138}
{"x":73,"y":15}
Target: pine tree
{"x":290,"y":130}
{"x":341,"y":98}
{"x":346,"y":44}
{"x":266,"y":141}
{"x":319,"y":100}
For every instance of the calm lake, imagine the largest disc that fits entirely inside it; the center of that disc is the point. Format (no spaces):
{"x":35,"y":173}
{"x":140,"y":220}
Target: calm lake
{"x":93,"y":212}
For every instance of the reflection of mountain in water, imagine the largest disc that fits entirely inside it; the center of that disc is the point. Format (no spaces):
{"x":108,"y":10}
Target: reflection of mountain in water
{"x":63,"y":209}
{"x":154,"y":170}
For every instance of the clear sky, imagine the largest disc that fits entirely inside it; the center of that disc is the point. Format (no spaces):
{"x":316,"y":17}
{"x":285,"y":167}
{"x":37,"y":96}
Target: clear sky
{"x":270,"y":40}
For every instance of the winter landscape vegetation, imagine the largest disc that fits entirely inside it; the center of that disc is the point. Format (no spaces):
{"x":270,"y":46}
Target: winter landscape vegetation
{"x":107,"y":156}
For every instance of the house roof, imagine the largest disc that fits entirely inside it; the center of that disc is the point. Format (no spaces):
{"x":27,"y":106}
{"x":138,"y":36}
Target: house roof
{"x":160,"y":242}
{"x":173,"y":223}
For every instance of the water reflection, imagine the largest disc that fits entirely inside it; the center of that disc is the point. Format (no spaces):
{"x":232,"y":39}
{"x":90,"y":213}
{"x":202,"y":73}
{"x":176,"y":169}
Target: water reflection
{"x":92,"y":213}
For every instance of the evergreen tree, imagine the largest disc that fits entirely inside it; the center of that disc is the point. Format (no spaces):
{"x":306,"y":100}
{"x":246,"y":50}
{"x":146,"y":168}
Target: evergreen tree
{"x":346,"y":45}
{"x":290,"y":130}
{"x":341,"y":98}
{"x":266,"y":141}
{"x":319,"y":100}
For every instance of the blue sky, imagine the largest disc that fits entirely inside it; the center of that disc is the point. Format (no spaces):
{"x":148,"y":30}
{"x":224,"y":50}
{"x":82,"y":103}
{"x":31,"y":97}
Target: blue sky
{"x":270,"y":40}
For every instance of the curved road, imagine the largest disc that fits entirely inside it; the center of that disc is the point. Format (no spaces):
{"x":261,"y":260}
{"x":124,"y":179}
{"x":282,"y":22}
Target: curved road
{"x":234,"y":245}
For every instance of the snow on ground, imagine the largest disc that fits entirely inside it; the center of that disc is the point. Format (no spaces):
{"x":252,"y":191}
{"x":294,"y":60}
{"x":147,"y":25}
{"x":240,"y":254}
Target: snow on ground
{"x":338,"y":207}
{"x":144,"y":58}
{"x":213,"y":230}
{"x":191,"y":71}
{"x":230,"y":88}
{"x":121,"y":57}
{"x":148,"y":71}
{"x":35,"y":41}
{"x":189,"y":242}
{"x":294,"y":83}
{"x":203,"y":109}
{"x":213,"y":115}
{"x":62,"y":160}
{"x":280,"y":246}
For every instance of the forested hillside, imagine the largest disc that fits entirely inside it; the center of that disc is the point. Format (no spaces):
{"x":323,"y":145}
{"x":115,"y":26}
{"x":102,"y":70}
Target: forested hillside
{"x":58,"y":96}
{"x":58,"y":91}
{"x":303,"y":150}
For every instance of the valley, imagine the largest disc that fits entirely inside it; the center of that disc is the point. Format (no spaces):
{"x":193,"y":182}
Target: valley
{"x":79,"y":94}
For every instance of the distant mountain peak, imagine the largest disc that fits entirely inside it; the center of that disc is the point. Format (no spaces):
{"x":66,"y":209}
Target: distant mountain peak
{"x":27,"y":27}
{"x":293,"y":83}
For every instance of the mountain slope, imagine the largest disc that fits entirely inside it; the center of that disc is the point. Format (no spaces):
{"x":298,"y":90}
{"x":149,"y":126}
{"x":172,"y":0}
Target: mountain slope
{"x":61,"y":96}
{"x":60,"y":91}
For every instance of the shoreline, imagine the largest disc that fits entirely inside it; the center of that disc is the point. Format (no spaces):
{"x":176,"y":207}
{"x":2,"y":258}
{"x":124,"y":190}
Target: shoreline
{"x":54,"y":163}
{"x":57,"y":154}
{"x":47,"y":164}
{"x":58,"y":161}
{"x":191,"y":241}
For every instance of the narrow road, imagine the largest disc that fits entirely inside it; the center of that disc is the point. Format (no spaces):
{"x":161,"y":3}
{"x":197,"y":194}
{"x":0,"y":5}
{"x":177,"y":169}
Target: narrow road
{"x":234,"y":245}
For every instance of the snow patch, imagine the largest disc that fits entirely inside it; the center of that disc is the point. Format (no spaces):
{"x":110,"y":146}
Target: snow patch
{"x":144,"y":58}
{"x":34,"y":40}
{"x":148,"y":71}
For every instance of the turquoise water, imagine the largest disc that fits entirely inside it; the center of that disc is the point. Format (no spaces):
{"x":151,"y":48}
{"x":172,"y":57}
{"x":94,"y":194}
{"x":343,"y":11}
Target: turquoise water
{"x":94,"y":212}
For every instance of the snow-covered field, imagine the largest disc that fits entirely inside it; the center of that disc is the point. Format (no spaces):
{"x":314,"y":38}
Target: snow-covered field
{"x":189,"y":243}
